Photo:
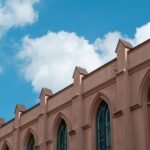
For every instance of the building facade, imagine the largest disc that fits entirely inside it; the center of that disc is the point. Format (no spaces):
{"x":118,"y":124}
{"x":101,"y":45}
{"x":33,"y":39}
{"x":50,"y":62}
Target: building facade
{"x":107,"y":109}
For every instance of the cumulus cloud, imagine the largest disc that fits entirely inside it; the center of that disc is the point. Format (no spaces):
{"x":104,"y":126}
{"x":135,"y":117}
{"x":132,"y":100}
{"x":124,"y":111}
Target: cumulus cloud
{"x":105,"y":46}
{"x":142,"y":34}
{"x":14,"y":13}
{"x":49,"y":61}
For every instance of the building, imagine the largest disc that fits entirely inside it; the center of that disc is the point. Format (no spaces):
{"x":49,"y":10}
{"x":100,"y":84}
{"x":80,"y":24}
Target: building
{"x":107,"y":109}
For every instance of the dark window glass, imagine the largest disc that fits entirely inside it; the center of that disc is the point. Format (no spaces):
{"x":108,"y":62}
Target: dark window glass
{"x":62,"y":136}
{"x":103,"y":127}
{"x":31,"y":143}
{"x":149,"y":95}
{"x":6,"y":147}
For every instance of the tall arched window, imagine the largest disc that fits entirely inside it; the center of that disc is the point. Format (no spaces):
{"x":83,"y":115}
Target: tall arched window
{"x":62,"y":136}
{"x":31,"y":143}
{"x":103,"y":127}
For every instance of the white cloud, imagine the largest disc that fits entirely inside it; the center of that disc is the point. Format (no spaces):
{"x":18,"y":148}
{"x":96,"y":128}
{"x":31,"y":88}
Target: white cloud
{"x":105,"y":46}
{"x":142,"y":33}
{"x":14,"y":13}
{"x":49,"y":61}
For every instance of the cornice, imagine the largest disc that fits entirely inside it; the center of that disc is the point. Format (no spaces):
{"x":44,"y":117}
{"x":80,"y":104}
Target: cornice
{"x":35,"y":120}
{"x":60,"y":107}
{"x":139,"y":66}
{"x":99,"y":87}
{"x":6,"y":136}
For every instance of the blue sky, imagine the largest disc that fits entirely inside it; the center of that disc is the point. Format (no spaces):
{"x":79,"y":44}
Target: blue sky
{"x":41,"y":41}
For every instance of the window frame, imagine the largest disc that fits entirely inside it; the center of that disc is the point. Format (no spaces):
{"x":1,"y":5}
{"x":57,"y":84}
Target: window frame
{"x":62,"y":129}
{"x":103,"y":113}
{"x":31,"y":141}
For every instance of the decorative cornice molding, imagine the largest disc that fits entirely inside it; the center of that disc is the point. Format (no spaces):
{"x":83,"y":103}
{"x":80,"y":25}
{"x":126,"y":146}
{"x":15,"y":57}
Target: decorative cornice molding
{"x":139,"y":66}
{"x":6,"y":136}
{"x":41,"y":114}
{"x":29,"y":123}
{"x":120,"y":72}
{"x":60,"y":107}
{"x":75,"y":96}
{"x":99,"y":87}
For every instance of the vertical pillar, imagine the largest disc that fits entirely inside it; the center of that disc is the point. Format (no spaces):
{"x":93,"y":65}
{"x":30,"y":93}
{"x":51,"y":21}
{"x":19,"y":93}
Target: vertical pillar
{"x":16,"y":131}
{"x":42,"y":122}
{"x":77,"y":110}
{"x":123,"y":124}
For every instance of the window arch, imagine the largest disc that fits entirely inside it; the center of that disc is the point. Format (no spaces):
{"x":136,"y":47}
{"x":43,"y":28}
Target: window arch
{"x":103,"y":127}
{"x":31,"y":143}
{"x":62,"y":136}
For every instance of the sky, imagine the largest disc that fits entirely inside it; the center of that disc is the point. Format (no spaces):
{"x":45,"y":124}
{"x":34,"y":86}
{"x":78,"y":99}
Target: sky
{"x":41,"y":42}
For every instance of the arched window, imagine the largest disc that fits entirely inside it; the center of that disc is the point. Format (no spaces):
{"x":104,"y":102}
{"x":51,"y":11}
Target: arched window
{"x":31,"y":143}
{"x":103,"y":127}
{"x":62,"y":136}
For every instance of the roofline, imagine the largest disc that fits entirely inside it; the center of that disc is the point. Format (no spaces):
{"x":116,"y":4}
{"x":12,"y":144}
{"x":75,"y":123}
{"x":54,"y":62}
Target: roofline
{"x":99,"y":68}
{"x":140,"y":45}
{"x":62,"y":90}
{"x":86,"y":76}
{"x":6,"y":123}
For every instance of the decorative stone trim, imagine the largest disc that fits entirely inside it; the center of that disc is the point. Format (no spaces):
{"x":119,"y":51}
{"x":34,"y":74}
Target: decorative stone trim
{"x":29,"y":123}
{"x":118,"y":113}
{"x":41,"y":114}
{"x":134,"y":107}
{"x":72,"y":132}
{"x":99,"y":87}
{"x":139,"y":66}
{"x":87,"y":126}
{"x":37,"y":147}
{"x":6,"y":136}
{"x":60,"y":107}
{"x":120,"y":72}
{"x":49,"y":141}
{"x":75,"y":96}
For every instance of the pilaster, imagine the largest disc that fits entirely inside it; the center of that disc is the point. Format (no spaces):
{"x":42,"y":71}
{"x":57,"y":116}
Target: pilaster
{"x":16,"y":130}
{"x":77,"y":110}
{"x":42,"y":122}
{"x":122,"y":115}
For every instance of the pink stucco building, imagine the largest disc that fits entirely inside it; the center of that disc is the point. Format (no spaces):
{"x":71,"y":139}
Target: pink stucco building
{"x":107,"y":109}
